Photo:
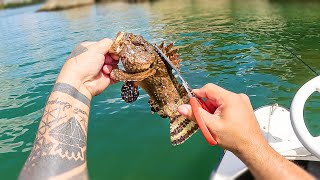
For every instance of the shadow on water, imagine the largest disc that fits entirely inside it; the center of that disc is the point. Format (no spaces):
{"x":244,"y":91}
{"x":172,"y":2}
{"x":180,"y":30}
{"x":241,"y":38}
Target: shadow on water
{"x":235,"y":44}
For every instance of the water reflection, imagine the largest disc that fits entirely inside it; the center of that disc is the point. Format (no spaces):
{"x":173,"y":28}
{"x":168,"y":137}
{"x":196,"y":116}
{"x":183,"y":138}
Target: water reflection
{"x":11,"y":130}
{"x":236,"y":44}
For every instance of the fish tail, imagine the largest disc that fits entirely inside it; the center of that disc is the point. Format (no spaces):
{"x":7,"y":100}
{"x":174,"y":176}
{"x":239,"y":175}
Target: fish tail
{"x":181,"y":129}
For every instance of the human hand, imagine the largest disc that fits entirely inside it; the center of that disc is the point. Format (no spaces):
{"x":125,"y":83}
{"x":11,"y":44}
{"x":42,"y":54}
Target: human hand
{"x":233,"y":122}
{"x":89,"y":66}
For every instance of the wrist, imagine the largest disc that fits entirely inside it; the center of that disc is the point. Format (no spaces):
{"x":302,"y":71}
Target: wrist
{"x":71,"y":77}
{"x":254,"y":149}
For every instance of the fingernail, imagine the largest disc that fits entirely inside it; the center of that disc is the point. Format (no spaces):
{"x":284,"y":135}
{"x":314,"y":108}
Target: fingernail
{"x":183,"y":110}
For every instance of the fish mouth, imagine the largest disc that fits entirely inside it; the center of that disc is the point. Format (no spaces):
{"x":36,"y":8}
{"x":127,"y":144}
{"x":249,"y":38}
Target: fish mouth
{"x":118,"y":41}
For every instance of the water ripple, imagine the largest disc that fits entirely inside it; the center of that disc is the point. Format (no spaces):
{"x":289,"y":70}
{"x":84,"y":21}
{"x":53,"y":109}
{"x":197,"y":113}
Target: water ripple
{"x":238,"y":45}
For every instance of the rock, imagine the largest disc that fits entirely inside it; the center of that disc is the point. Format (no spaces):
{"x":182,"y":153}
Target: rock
{"x":18,"y":3}
{"x":53,"y":5}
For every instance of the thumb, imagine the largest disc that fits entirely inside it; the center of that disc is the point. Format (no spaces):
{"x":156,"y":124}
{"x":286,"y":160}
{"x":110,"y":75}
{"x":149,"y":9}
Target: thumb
{"x":102,"y":46}
{"x":186,"y":111}
{"x":209,"y":119}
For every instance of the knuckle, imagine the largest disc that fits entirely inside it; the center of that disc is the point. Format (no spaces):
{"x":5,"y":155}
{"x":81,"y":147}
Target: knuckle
{"x":83,"y":43}
{"x":244,"y":96}
{"x":209,"y":85}
{"x":108,"y":40}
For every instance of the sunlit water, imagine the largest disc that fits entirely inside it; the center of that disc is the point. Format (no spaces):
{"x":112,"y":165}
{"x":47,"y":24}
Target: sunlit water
{"x":235,"y":44}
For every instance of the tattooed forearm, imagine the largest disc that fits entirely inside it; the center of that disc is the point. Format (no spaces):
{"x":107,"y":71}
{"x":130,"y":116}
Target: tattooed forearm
{"x":60,"y":146}
{"x":68,"y":89}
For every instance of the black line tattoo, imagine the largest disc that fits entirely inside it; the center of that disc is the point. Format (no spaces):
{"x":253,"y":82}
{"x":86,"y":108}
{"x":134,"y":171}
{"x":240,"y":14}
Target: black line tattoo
{"x":84,"y":121}
{"x":70,"y":90}
{"x":77,"y":111}
{"x":79,"y":49}
{"x":66,"y":105}
{"x":71,"y":137}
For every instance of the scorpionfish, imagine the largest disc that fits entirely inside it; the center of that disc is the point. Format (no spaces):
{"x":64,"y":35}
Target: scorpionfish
{"x":143,"y":67}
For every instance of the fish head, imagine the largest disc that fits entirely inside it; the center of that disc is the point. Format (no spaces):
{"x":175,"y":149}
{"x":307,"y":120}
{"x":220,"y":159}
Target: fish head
{"x":135,"y":53}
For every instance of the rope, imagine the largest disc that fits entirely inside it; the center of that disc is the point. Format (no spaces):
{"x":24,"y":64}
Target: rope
{"x":271,"y":112}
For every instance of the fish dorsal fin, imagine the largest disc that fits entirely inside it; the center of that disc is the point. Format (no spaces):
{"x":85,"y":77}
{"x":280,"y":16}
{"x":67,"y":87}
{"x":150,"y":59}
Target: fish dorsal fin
{"x":171,"y":54}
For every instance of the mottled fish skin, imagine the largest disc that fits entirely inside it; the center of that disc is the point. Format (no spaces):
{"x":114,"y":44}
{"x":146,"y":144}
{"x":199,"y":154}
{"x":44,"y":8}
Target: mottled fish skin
{"x":166,"y":94}
{"x":129,"y":92}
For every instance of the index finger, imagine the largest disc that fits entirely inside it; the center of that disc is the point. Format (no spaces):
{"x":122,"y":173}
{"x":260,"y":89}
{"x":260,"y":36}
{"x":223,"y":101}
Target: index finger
{"x":212,"y":92}
{"x":101,"y":46}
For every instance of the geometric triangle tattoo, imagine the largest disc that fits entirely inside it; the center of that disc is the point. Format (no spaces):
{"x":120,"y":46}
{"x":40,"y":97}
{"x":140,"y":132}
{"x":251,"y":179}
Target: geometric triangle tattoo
{"x":71,"y":137}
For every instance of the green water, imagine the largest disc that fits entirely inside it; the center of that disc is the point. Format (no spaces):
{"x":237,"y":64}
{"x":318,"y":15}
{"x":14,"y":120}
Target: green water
{"x":235,"y":44}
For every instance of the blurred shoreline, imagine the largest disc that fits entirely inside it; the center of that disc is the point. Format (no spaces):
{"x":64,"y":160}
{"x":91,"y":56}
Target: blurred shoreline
{"x":7,"y":4}
{"x":57,"y":4}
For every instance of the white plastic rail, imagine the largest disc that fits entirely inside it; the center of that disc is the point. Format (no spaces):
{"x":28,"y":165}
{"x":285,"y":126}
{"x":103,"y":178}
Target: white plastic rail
{"x":297,"y":119}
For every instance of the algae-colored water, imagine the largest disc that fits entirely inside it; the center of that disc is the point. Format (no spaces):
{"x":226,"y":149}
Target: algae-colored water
{"x":235,"y":44}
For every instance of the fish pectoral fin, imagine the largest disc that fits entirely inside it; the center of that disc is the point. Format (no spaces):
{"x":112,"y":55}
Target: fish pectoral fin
{"x":121,"y":75}
{"x":181,"y":129}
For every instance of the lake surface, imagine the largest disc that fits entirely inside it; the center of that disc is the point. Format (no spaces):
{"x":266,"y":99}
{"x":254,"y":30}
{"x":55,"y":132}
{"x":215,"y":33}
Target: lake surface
{"x":235,"y":44}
